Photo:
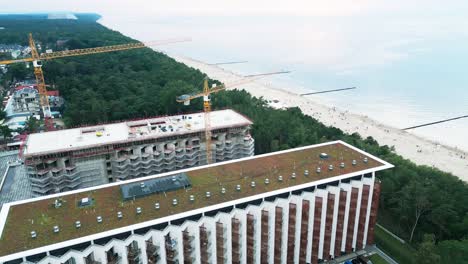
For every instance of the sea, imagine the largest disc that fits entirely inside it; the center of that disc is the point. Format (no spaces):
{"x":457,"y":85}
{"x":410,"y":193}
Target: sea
{"x":407,"y":70}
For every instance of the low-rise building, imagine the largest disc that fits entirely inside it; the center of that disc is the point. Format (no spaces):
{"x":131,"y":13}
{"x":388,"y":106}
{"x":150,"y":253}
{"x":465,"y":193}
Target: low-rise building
{"x":26,"y":99}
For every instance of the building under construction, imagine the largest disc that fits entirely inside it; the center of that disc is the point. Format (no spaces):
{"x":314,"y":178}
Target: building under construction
{"x":70,"y":159}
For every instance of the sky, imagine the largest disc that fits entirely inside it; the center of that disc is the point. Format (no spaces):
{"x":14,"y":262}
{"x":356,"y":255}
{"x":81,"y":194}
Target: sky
{"x":235,"y":7}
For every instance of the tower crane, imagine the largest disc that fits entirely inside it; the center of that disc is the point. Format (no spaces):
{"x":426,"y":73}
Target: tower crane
{"x":206,"y":94}
{"x":37,"y":59}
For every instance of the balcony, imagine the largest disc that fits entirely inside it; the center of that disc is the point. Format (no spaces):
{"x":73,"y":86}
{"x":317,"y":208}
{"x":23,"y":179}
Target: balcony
{"x":121,"y":158}
{"x":50,"y":161}
{"x":41,"y":180}
{"x":133,"y":255}
{"x":133,"y":159}
{"x":69,"y":167}
{"x":56,"y":170}
{"x":42,"y":172}
{"x":88,"y":260}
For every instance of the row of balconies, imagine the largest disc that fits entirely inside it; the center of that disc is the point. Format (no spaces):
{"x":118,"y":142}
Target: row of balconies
{"x":123,"y":154}
{"x":157,"y":163}
{"x":60,"y":184}
{"x":71,"y":175}
{"x":53,"y":170}
{"x":142,"y":171}
{"x":136,"y":161}
{"x":53,"y":186}
{"x":56,"y":182}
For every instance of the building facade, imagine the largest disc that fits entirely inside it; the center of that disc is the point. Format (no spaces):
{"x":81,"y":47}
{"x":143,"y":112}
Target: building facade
{"x":309,"y":216}
{"x":70,"y":159}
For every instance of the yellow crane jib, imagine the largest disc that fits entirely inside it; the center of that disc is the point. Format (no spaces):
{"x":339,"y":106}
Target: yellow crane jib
{"x":37,"y":59}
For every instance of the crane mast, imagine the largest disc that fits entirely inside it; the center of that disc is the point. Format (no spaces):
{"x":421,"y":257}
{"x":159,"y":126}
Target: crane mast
{"x":207,"y":110}
{"x":41,"y":86}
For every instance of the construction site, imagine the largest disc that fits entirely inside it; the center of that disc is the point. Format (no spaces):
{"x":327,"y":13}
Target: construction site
{"x":62,"y":160}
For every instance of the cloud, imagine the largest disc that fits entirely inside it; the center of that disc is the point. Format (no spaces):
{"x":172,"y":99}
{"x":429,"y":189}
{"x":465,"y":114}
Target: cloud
{"x":190,"y":7}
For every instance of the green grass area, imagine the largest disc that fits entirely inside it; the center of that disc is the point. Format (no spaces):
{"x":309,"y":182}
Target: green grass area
{"x":402,"y":253}
{"x":377,"y":259}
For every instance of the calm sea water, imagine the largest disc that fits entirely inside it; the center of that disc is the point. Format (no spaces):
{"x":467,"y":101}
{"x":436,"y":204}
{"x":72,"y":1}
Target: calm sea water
{"x":408,"y":70}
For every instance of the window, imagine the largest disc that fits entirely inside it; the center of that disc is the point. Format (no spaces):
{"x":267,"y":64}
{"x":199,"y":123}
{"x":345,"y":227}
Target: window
{"x":70,"y":261}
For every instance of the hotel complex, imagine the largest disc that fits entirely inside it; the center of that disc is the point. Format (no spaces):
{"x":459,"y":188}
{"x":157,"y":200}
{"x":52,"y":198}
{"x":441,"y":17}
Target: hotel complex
{"x":69,"y":159}
{"x":304,"y":205}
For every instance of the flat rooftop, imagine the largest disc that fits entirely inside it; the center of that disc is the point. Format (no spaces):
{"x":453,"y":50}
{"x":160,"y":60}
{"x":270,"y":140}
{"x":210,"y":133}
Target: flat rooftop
{"x":88,"y":137}
{"x":18,"y":219}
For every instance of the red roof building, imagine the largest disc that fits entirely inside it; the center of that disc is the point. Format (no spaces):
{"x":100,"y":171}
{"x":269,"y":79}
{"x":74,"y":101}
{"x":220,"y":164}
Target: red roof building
{"x":53,"y":93}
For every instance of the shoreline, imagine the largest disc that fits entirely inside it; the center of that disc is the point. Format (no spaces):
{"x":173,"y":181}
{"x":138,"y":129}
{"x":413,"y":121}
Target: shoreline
{"x":421,"y":151}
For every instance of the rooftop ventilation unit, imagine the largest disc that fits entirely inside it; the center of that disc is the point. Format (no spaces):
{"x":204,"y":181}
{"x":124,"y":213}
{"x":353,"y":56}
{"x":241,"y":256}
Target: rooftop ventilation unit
{"x":267,"y":181}
{"x":223,"y":190}
{"x":99,"y":219}
{"x":306,"y":172}
{"x":85,"y":201}
{"x":192,"y":198}
{"x":174,"y":202}
{"x":354,"y":162}
{"x":238,"y":187}
{"x":56,"y":229}
{"x":208,"y":194}
{"x":119,"y":215}
{"x":57,"y":203}
{"x":142,"y":185}
{"x":33,"y":234}
{"x":77,"y":224}
{"x":293,"y":175}
{"x":156,"y":206}
{"x":252,"y":184}
{"x":323,"y":155}
{"x":342,"y":165}
{"x":330,"y":167}
{"x":319,"y":170}
{"x":365,"y":160}
{"x":138,"y":210}
{"x":280,"y":178}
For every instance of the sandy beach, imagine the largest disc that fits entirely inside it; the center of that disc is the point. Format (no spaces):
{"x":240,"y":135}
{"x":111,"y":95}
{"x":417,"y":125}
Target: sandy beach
{"x":420,"y":150}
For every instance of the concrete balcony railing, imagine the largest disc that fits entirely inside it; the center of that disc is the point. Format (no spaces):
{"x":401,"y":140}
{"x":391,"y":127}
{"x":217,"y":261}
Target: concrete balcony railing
{"x":43,"y":172}
{"x":42,"y":190}
{"x":40,"y":180}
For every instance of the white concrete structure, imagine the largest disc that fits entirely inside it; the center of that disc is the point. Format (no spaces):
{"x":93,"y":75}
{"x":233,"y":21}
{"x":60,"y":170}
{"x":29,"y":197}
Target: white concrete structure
{"x":75,"y":158}
{"x":26,"y":100}
{"x":316,"y":216}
